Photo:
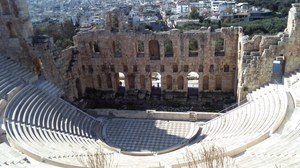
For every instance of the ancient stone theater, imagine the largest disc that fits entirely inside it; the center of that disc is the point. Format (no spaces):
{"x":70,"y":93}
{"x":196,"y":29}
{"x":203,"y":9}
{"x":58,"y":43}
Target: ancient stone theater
{"x":43,"y":123}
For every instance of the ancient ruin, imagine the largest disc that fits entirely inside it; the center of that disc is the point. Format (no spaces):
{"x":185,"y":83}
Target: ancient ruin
{"x":41,"y":129}
{"x":222,"y":61}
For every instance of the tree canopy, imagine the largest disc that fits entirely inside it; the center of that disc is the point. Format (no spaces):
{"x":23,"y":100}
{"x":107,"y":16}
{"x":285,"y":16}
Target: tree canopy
{"x":62,"y":33}
{"x":282,"y":6}
{"x":194,"y":14}
{"x":265,"y":26}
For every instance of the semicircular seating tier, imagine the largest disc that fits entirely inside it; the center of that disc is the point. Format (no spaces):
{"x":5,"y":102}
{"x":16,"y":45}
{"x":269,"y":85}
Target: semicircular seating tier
{"x":49,"y":129}
{"x":53,"y":131}
{"x":241,"y":128}
{"x":13,"y":77}
{"x":282,"y":148}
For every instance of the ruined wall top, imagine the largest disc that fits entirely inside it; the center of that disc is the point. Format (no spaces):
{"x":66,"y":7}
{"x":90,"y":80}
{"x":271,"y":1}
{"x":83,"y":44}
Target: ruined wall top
{"x":91,"y":34}
{"x":293,"y":23}
{"x":15,"y":31}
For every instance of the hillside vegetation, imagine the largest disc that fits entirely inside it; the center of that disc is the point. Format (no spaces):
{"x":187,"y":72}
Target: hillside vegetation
{"x":281,"y":6}
{"x":265,"y":26}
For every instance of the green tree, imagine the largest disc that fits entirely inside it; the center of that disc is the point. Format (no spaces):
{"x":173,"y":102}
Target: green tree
{"x":229,"y":10}
{"x":194,"y":14}
{"x":265,"y":26}
{"x":281,"y":6}
{"x":62,"y":33}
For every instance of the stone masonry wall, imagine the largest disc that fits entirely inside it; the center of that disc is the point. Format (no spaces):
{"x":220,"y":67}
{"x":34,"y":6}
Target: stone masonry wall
{"x":292,"y":50}
{"x":94,"y":62}
{"x":93,"y":69}
{"x":16,"y":31}
{"x":256,"y":56}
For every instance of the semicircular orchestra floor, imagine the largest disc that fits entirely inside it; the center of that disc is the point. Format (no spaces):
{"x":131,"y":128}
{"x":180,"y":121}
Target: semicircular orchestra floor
{"x":145,"y":135}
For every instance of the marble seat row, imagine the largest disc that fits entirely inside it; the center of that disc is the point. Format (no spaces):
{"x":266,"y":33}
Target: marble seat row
{"x":45,"y":126}
{"x":8,"y":83}
{"x":11,"y":158}
{"x":16,"y":71}
{"x":249,"y":123}
{"x":34,"y":107}
{"x":282,"y":148}
{"x":291,"y":78}
{"x":242,"y":127}
{"x":49,"y":87}
{"x":50,"y":130}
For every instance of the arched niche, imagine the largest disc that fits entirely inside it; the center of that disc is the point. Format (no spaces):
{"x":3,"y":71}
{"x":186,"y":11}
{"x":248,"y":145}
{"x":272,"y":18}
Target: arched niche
{"x":154,"y":50}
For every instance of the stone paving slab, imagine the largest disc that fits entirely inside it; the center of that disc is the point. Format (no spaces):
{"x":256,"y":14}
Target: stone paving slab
{"x":145,"y":135}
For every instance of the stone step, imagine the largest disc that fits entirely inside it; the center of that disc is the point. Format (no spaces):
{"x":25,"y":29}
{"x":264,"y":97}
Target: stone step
{"x":276,"y":78}
{"x":297,"y":103}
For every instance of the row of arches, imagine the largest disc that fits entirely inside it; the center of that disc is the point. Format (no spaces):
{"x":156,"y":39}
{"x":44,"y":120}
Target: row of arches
{"x":191,"y":82}
{"x":175,"y":68}
{"x":154,"y":48}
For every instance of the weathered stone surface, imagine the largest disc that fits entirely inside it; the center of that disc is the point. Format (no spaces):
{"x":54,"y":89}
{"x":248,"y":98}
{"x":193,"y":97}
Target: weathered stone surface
{"x":16,"y":31}
{"x":97,"y":57}
{"x":94,"y":68}
{"x":257,"y":55}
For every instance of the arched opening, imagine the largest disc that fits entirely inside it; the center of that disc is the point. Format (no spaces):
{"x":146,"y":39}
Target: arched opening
{"x":180,"y":83}
{"x":140,"y":48}
{"x":120,"y":79}
{"x":218,"y":82}
{"x":226,"y":68}
{"x":5,"y":7}
{"x":108,"y":81}
{"x":155,"y":83}
{"x":154,"y":50}
{"x":193,"y":84}
{"x":143,"y":82}
{"x":91,"y":69}
{"x":175,"y":68}
{"x":200,"y":68}
{"x":162,"y":68}
{"x":219,"y":47}
{"x":168,"y":48}
{"x":135,"y":68}
{"x":11,"y":29}
{"x":96,"y":48}
{"x":99,"y":81}
{"x":193,"y":48}
{"x":278,"y":69}
{"x":185,"y":68}
{"x":211,"y":68}
{"x":205,"y":83}
{"x":169,"y":82}
{"x":78,"y":88}
{"x":125,"y":68}
{"x":117,"y":49}
{"x":131,"y":81}
{"x":115,"y":24}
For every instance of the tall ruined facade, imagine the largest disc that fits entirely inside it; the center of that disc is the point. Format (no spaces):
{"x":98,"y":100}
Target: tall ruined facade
{"x":16,"y":32}
{"x":259,"y":56}
{"x":224,"y":60}
{"x":102,"y":54}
